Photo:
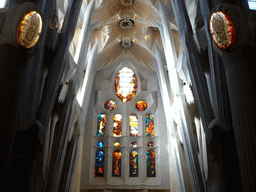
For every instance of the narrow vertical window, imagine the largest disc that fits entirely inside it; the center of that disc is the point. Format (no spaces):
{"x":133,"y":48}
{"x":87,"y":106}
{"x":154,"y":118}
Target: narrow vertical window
{"x":133,"y":125}
{"x":133,"y":164}
{"x":99,"y":164}
{"x":117,"y":125}
{"x":101,"y":124}
{"x":150,"y":125}
{"x":150,"y":162}
{"x":116,"y":171}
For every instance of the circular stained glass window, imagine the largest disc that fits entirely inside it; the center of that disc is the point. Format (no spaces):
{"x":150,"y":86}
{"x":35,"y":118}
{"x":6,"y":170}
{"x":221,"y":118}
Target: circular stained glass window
{"x":222,"y":30}
{"x":29,"y":29}
{"x":141,"y":105}
{"x":110,"y":105}
{"x":125,"y":84}
{"x":100,"y":144}
{"x":134,"y":144}
{"x":150,"y":144}
{"x":117,"y":144}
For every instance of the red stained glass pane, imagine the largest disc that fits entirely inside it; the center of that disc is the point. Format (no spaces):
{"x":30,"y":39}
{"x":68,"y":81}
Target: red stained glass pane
{"x":110,"y":105}
{"x":141,"y":105}
{"x":116,"y":172}
{"x":133,"y":164}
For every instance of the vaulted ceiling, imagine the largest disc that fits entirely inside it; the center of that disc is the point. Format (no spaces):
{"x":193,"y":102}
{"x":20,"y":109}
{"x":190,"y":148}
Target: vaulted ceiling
{"x":126,"y":31}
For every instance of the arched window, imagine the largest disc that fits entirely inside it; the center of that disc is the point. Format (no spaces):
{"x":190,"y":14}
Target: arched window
{"x":133,"y":164}
{"x":150,"y":125}
{"x":101,"y":124}
{"x":116,"y":171}
{"x":150,"y":162}
{"x":125,"y":84}
{"x":117,"y":125}
{"x":99,"y":164}
{"x":133,"y":125}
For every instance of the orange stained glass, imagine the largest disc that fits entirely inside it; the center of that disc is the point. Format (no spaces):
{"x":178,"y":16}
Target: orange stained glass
{"x":141,"y":105}
{"x":125,"y":84}
{"x":117,"y":144}
{"x":116,"y":171}
{"x":133,"y":125}
{"x":117,"y":125}
{"x":110,"y":105}
{"x":150,"y":125}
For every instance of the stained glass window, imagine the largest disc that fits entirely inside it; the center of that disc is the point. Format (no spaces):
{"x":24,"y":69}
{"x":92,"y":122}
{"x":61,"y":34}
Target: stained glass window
{"x":117,"y":144}
{"x":99,"y":164}
{"x":150,"y":162}
{"x":100,"y":144}
{"x":117,"y":125}
{"x":116,"y":172}
{"x":125,"y":84}
{"x":134,"y":144}
{"x":133,"y":125}
{"x":141,"y":105}
{"x":110,"y":105}
{"x":150,"y":125}
{"x":133,"y":164}
{"x":101,"y":124}
{"x":150,"y":144}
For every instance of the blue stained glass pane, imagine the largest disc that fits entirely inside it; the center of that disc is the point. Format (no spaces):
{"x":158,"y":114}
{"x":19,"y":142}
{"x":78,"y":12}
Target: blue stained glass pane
{"x":150,"y":162}
{"x":100,"y":144}
{"x":101,"y":124}
{"x":99,"y":164}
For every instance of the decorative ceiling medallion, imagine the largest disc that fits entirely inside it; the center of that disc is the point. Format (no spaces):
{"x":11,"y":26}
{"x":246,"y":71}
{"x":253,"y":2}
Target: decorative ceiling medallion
{"x":126,"y":22}
{"x":29,"y":29}
{"x":222,"y":30}
{"x":126,"y":3}
{"x":126,"y":42}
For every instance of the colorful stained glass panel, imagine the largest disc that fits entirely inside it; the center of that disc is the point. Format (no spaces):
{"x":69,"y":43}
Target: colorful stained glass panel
{"x":101,"y":124}
{"x":133,"y":164}
{"x":133,"y":125}
{"x":150,"y":125}
{"x":125,"y":84}
{"x":116,"y":171}
{"x":134,"y":144}
{"x":150,"y":162}
{"x":117,"y":125}
{"x":150,"y":144}
{"x":100,"y":144}
{"x":110,"y":105}
{"x":117,"y":144}
{"x":99,"y":164}
{"x":141,"y":105}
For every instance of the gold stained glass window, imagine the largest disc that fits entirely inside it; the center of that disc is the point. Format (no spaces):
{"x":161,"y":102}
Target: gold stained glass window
{"x":133,"y":125}
{"x":125,"y":84}
{"x":117,"y":125}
